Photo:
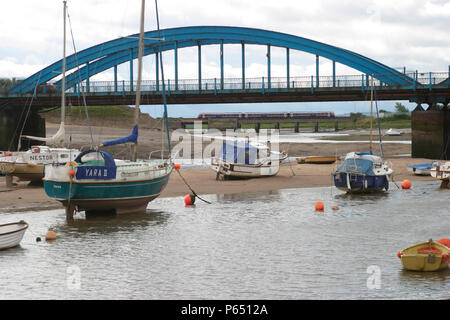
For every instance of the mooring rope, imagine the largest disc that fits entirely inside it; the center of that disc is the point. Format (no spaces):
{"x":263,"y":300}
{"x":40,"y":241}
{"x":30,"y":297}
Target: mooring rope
{"x":193,"y":192}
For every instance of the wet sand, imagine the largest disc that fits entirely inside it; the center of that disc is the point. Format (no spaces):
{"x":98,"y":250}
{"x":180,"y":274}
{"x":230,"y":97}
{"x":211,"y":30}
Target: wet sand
{"x":25,"y":197}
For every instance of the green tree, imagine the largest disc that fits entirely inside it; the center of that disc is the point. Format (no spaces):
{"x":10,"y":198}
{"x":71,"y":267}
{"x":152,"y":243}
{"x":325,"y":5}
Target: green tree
{"x":400,"y":108}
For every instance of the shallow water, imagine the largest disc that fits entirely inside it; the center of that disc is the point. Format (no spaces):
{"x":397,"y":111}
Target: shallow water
{"x":270,"y":245}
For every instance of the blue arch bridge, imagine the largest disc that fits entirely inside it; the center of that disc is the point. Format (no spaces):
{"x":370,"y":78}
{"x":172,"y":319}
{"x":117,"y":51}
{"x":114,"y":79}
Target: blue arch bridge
{"x":428,"y":88}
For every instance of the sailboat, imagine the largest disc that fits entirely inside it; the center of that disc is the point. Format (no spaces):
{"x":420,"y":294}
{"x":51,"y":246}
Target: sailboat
{"x":363,"y":172}
{"x":29,"y":165}
{"x":95,"y":181}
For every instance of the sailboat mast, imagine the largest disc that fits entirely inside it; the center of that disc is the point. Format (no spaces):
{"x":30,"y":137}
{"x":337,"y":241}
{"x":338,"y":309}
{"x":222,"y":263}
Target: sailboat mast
{"x":63,"y":82}
{"x":139,"y":78}
{"x":163,"y":85}
{"x":371,"y":111}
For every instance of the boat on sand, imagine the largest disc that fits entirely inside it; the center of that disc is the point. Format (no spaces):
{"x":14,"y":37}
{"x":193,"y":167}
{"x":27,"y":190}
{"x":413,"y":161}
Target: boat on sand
{"x":317,"y":159}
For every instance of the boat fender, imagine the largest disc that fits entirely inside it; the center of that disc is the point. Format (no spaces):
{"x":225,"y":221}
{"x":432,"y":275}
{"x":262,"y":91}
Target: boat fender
{"x":71,"y":163}
{"x":71,"y":173}
{"x":399,"y":254}
{"x":445,"y":242}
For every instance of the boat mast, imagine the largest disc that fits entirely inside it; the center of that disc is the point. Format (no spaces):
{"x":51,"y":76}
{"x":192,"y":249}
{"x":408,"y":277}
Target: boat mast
{"x":63,"y":82}
{"x":138,"y":87}
{"x":163,"y":86}
{"x":371,"y":108}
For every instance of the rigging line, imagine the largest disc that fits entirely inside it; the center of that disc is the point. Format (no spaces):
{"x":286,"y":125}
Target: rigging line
{"x":79,"y":78}
{"x":379,"y":125}
{"x":26,"y":116}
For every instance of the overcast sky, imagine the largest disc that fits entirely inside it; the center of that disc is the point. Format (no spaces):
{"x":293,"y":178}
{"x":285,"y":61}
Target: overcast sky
{"x":404,"y":33}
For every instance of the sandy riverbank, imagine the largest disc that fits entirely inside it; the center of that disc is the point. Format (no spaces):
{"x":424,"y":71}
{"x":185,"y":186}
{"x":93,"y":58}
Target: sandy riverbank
{"x":292,"y":175}
{"x":24,"y":197}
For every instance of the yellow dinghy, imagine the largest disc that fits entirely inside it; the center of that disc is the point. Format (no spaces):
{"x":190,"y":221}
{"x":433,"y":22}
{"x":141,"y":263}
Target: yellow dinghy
{"x":317,"y":159}
{"x":425,"y":256}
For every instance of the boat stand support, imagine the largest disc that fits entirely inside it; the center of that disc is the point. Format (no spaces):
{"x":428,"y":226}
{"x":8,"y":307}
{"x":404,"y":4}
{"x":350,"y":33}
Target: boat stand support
{"x":444,"y":184}
{"x":70,"y":210}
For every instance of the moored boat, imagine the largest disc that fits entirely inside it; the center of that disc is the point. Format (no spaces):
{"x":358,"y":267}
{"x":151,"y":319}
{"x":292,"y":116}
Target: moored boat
{"x":423,"y":169}
{"x":95,"y":181}
{"x":29,"y":165}
{"x":362,"y":172}
{"x":244,"y":160}
{"x":442,"y":173}
{"x":392,"y":132}
{"x":317,"y":159}
{"x":11,"y":234}
{"x":425,"y":256}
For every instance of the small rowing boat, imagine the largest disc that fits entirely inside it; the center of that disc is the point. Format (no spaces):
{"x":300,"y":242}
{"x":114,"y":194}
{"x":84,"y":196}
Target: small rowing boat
{"x":11,"y":234}
{"x":317,"y":159}
{"x":425,"y":256}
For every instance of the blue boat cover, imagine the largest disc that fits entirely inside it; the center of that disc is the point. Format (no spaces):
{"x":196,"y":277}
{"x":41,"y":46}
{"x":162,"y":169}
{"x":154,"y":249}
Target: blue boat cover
{"x":238,"y":152}
{"x":425,"y":166}
{"x":131,"y":138}
{"x":359,"y":166}
{"x":105,"y":172}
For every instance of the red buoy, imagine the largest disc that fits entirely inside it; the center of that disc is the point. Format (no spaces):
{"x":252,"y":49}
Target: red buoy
{"x":176,"y":166}
{"x":406,"y":184}
{"x":189,"y":199}
{"x":319,"y":206}
{"x":71,"y":173}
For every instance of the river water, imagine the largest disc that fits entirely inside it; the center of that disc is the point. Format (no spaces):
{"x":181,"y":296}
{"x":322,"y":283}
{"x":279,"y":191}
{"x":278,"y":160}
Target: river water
{"x":270,"y":245}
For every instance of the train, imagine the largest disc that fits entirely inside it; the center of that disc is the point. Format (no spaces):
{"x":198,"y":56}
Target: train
{"x":266,"y":115}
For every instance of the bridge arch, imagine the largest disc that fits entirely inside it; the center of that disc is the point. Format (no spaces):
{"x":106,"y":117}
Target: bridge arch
{"x":106,"y":55}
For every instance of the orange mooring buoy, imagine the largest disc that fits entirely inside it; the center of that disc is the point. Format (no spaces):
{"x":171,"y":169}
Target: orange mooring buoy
{"x":319,"y":206}
{"x":50,"y":235}
{"x":176,"y":166}
{"x":406,"y":184}
{"x":189,"y":199}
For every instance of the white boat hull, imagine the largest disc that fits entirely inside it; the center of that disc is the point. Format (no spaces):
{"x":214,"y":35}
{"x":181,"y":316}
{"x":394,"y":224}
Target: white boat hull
{"x":244,"y":170}
{"x":11,"y":234}
{"x":441,"y":172}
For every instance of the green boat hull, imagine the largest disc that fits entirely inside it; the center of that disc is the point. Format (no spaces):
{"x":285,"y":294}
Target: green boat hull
{"x":125,"y":196}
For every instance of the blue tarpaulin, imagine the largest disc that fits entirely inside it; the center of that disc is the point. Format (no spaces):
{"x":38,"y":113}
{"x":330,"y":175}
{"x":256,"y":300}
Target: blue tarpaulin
{"x":360,"y":166}
{"x":131,"y":138}
{"x":105,"y":172}
{"x":238,"y":152}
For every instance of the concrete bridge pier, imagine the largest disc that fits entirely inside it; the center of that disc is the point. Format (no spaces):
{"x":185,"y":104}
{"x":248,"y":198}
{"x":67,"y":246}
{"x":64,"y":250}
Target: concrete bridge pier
{"x":316,"y":127}
{"x":11,"y":122}
{"x":297,"y":127}
{"x":257,"y":127}
{"x":430,"y":132}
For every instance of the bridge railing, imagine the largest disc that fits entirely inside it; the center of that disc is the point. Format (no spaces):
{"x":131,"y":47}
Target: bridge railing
{"x":361,"y":81}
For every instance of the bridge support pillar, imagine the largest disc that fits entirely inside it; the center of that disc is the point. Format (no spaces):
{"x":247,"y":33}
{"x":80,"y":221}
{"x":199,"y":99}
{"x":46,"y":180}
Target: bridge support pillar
{"x":336,"y":126}
{"x":257,"y":127}
{"x":277,"y":126}
{"x":237,"y":125}
{"x":430,"y":132}
{"x":316,"y":127}
{"x":297,"y":127}
{"x":11,"y":124}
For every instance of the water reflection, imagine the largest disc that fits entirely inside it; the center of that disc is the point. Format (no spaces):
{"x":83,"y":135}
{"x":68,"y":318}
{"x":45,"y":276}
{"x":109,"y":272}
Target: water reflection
{"x":264,"y":195}
{"x":111,"y":223}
